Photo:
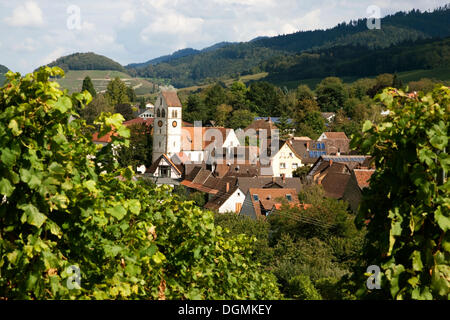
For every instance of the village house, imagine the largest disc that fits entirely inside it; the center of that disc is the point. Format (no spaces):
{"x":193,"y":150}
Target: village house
{"x":336,"y":142}
{"x":285,"y":161}
{"x":359,"y":180}
{"x":259,"y":202}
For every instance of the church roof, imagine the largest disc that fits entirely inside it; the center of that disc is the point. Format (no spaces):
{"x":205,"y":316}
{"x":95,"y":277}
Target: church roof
{"x":171,"y":98}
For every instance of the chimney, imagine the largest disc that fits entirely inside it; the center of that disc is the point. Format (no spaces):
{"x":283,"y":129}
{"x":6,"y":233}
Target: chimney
{"x":307,"y":146}
{"x":339,"y":152}
{"x":228,"y":187}
{"x":283,"y":177}
{"x":331,"y":162}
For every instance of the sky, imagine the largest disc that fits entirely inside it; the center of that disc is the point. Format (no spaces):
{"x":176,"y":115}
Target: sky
{"x":37,"y":32}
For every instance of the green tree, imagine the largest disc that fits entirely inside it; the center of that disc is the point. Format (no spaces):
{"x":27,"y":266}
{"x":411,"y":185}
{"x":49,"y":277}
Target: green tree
{"x":117,"y":92}
{"x":139,"y":151}
{"x":303,"y":92}
{"x":222,"y":114}
{"x":98,"y":105}
{"x":125,"y":109}
{"x":89,"y":86}
{"x":331,"y":94}
{"x":241,"y":119}
{"x":61,"y":209}
{"x":407,"y":204}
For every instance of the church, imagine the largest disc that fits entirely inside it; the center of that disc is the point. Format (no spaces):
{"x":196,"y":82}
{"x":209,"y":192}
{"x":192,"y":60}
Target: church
{"x":179,"y":145}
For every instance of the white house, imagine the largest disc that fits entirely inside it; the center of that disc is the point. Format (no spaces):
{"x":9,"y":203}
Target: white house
{"x":228,"y":201}
{"x":285,"y":161}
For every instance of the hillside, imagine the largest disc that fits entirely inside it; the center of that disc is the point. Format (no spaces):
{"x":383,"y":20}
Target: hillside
{"x":3,"y":70}
{"x":359,"y":61}
{"x":177,"y":54}
{"x":245,"y":58}
{"x":87,"y":61}
{"x":73,"y":81}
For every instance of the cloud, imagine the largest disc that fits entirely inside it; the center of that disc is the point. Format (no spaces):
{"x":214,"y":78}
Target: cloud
{"x":172,"y":23}
{"x":27,"y":15}
{"x":55,"y":54}
{"x":128,"y":16}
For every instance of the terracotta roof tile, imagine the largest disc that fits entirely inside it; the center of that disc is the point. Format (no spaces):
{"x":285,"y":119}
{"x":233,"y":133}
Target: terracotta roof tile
{"x":363,"y":177}
{"x":336,"y":135}
{"x":171,"y":98}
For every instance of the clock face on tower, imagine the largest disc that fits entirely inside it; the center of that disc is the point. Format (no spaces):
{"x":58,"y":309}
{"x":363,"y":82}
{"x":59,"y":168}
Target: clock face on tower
{"x":174,"y":124}
{"x":160,"y":123}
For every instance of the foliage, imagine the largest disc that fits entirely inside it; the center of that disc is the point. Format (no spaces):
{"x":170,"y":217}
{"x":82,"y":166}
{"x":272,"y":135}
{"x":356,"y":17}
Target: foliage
{"x":407,"y":205}
{"x":95,"y":108}
{"x":117,"y":92}
{"x":139,"y":151}
{"x":223,"y":113}
{"x":60,"y":208}
{"x":125,"y":109}
{"x":86,"y":61}
{"x":241,"y":119}
{"x":301,"y":288}
{"x":88,"y":86}
{"x":331,"y":94}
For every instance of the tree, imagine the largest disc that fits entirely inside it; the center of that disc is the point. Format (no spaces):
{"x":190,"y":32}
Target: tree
{"x":62,"y":212}
{"x":308,"y":119}
{"x":89,"y":86}
{"x":125,"y":109}
{"x":303,"y":92}
{"x":241,"y":119}
{"x":117,"y":92}
{"x":223,"y":112}
{"x":139,"y":152}
{"x":196,"y":110}
{"x":264,"y":99}
{"x":98,"y":105}
{"x":331,"y":94}
{"x":406,"y":206}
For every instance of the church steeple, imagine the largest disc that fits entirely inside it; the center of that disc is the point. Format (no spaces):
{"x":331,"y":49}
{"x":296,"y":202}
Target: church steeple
{"x":167,"y":125}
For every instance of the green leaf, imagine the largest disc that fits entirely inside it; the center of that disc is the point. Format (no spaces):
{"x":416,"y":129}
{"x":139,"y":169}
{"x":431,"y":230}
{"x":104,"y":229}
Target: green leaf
{"x":416,"y":261}
{"x":14,"y":126}
{"x":134,"y":206}
{"x":6,"y":188}
{"x":34,"y":217}
{"x":158,"y":258}
{"x":63,"y":104}
{"x":8,"y":157}
{"x":366,"y":126}
{"x":56,"y":169}
{"x":118,"y":212}
{"x":442,"y":220}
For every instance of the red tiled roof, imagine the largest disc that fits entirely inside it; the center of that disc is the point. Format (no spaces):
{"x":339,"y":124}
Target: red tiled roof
{"x":363,"y":176}
{"x":267,"y":198}
{"x":336,"y":135}
{"x":199,"y":138}
{"x":171,"y":98}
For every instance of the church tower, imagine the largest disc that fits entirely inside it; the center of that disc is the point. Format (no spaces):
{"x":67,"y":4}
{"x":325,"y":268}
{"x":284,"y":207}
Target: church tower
{"x":167,"y":125}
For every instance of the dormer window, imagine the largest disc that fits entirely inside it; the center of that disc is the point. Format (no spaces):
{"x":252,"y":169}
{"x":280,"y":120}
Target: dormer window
{"x":289,"y":197}
{"x":255,"y":197}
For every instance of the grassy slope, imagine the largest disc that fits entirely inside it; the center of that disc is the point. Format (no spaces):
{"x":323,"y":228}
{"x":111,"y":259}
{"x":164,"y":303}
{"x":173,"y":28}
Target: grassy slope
{"x":73,"y":80}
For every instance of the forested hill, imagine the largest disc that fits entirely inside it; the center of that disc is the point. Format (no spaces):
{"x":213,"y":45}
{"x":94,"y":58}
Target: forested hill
{"x":359,"y":61}
{"x":244,"y":58}
{"x":178,"y":54}
{"x":87,"y":61}
{"x":3,"y":69}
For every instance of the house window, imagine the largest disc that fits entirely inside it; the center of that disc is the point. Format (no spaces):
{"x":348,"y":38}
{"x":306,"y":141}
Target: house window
{"x":290,"y":154}
{"x":164,"y":172}
{"x":289,"y":197}
{"x":158,"y":113}
{"x":282,"y":165}
{"x":294,"y":165}
{"x":255,"y":197}
{"x":163,"y":114}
